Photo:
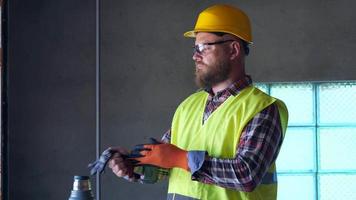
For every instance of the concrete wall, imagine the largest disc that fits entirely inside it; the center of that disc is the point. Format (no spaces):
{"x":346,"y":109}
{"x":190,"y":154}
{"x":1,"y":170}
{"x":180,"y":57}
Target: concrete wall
{"x":51,"y":96}
{"x":146,"y":71}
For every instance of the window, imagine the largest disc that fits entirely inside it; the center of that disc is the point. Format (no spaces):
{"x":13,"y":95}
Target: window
{"x":318,"y":156}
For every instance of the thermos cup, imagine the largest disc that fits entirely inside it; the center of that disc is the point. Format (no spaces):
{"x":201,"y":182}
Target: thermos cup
{"x":81,"y":189}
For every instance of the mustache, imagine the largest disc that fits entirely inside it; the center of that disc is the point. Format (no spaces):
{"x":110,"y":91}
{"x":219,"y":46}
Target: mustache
{"x":200,"y":65}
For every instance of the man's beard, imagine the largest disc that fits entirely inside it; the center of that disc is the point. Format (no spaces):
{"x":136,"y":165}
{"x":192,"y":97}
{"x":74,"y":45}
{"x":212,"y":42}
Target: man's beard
{"x":212,"y":74}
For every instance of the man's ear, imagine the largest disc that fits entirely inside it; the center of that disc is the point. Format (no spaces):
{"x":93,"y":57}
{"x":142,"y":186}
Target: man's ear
{"x":235,"y":50}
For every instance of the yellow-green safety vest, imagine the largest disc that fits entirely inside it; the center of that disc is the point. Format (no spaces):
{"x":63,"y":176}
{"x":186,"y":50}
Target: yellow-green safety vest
{"x":219,"y":136}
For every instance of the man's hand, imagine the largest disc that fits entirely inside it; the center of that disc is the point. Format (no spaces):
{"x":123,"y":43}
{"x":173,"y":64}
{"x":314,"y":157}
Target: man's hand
{"x":162,"y":155}
{"x":120,"y":165}
{"x":98,"y":166}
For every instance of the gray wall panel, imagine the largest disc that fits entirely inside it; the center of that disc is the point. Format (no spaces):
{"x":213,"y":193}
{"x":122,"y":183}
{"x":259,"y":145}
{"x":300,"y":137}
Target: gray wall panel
{"x":51,"y":96}
{"x":303,"y":40}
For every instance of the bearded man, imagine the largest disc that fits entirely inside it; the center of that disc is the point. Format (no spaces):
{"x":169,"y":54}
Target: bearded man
{"x":225,"y":138}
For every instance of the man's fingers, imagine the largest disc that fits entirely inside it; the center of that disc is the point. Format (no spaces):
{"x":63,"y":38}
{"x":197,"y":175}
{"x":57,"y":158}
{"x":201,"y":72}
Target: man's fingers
{"x":111,"y":164}
{"x":121,"y":167}
{"x":119,"y":171}
{"x":114,"y":161}
{"x":122,"y":171}
{"x":118,"y":156}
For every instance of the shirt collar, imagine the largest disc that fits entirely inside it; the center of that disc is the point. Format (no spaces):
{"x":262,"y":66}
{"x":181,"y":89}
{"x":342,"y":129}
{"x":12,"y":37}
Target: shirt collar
{"x":233,"y":89}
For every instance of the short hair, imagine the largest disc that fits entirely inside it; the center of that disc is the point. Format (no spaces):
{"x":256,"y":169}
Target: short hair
{"x":244,"y":43}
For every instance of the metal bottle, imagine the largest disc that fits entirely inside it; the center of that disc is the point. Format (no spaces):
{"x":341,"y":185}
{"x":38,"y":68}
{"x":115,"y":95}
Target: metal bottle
{"x":81,"y":189}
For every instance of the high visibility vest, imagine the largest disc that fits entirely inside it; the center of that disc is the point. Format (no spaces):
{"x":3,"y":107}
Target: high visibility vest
{"x":219,"y":136}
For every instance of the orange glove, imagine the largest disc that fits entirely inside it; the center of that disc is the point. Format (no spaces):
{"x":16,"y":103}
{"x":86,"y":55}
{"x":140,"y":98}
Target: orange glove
{"x":162,"y":155}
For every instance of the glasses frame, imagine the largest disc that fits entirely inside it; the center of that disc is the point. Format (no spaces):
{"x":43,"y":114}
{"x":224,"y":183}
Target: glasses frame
{"x":199,"y":48}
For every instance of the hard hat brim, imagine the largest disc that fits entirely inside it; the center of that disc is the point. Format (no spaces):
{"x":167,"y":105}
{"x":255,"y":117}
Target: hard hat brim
{"x":192,"y":34}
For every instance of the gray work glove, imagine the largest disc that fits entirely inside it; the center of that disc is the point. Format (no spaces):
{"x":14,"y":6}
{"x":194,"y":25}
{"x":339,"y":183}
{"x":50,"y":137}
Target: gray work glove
{"x":98,"y":165}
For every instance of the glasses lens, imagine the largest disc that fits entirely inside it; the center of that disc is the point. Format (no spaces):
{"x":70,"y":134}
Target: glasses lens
{"x":199,"y":48}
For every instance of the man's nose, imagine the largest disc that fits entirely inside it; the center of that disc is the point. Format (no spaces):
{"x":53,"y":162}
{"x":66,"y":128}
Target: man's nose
{"x":196,"y":56}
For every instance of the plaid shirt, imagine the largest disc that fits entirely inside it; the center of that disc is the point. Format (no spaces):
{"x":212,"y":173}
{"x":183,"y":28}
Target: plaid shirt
{"x":258,"y":148}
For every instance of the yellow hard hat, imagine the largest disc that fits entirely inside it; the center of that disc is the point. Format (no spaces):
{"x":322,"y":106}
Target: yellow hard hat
{"x":223,"y":18}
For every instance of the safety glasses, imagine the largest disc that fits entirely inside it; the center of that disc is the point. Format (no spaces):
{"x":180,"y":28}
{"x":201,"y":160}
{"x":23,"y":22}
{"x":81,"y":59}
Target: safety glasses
{"x":200,"y":48}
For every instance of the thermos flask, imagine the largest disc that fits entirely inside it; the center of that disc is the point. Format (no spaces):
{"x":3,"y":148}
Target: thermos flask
{"x":81,"y":189}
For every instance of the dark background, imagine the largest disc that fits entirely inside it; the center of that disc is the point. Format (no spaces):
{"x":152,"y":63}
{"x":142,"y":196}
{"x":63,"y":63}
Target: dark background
{"x":146,"y":72}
